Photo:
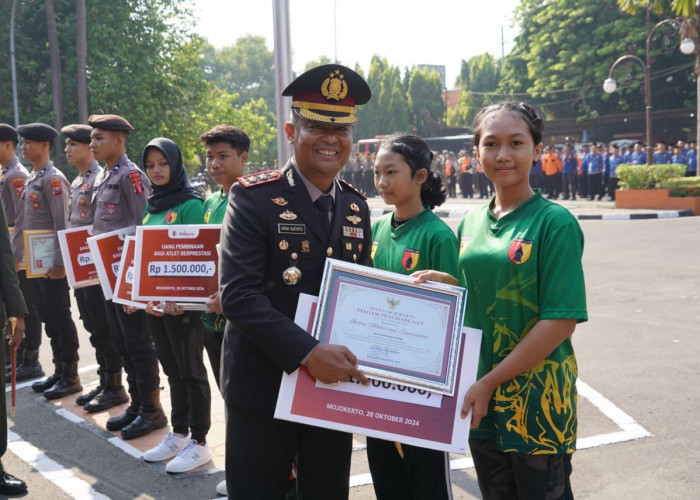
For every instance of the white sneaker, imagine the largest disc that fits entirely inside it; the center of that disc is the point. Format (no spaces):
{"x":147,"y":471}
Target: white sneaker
{"x":221,"y":488}
{"x":192,"y":456}
{"x":169,"y":447}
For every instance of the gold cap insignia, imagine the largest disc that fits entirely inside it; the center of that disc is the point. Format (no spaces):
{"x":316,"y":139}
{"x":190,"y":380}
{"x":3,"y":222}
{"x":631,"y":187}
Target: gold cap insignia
{"x":279,"y":201}
{"x":354,"y":219}
{"x":334,"y":87}
{"x":287,"y":215}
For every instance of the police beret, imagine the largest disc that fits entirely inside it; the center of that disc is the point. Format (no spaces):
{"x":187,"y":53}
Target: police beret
{"x":7,"y":133}
{"x":37,"y":132}
{"x":110,"y":122}
{"x":328,"y":94}
{"x":77,"y":132}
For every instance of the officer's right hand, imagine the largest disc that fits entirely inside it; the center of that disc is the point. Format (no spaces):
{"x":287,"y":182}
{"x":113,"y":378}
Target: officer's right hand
{"x":332,"y":363}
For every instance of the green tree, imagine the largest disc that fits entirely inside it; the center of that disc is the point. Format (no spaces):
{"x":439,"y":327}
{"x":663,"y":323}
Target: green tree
{"x":424,"y":89}
{"x":690,"y":11}
{"x":478,"y":76}
{"x":387,"y":111}
{"x":246,"y":68}
{"x":564,"y":52}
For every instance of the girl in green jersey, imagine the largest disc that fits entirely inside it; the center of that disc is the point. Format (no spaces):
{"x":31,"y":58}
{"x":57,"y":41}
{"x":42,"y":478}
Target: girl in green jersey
{"x":178,"y":334}
{"x":410,"y":238}
{"x":520,"y":258}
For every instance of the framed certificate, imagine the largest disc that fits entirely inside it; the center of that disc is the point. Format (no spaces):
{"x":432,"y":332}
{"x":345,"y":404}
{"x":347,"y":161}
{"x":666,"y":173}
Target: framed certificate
{"x":106,"y":249}
{"x":23,"y":263}
{"x":400,"y":332}
{"x":384,"y":410}
{"x":176,"y":263}
{"x":39,"y":250}
{"x":80,"y":268}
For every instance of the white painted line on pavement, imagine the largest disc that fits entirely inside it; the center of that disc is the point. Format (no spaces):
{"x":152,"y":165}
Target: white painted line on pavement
{"x":631,"y":430}
{"x":52,"y":470}
{"x":615,"y":216}
{"x":125,"y":447}
{"x":70,"y":416}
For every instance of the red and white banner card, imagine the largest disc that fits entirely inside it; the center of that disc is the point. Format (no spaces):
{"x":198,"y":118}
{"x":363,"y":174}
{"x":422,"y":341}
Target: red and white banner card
{"x":383,"y":409}
{"x":125,"y":278}
{"x":77,"y":258}
{"x":106,"y":249}
{"x":176,"y":263}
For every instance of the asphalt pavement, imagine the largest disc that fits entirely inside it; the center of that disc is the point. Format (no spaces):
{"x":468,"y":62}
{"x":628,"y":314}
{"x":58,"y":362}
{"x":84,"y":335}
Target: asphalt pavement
{"x":638,"y":363}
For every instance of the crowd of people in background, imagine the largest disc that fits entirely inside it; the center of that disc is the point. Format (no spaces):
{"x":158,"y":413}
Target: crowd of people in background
{"x":567,"y":172}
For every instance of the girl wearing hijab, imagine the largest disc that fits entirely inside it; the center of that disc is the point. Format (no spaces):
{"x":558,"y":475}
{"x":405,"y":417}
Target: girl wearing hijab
{"x":178,"y":335}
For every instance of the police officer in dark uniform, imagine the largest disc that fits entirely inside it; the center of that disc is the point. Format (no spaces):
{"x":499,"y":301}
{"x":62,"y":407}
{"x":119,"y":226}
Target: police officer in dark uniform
{"x":12,"y":185}
{"x":11,"y":305}
{"x":279,"y":228}
{"x":120,"y":195}
{"x":46,"y":207}
{"x":110,"y":391}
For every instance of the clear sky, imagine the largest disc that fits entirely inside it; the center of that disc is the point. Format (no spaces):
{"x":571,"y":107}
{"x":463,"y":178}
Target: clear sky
{"x":406,"y":32}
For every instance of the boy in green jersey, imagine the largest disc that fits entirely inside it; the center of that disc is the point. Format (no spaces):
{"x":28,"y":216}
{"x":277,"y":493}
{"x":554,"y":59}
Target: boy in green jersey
{"x":227,"y":153}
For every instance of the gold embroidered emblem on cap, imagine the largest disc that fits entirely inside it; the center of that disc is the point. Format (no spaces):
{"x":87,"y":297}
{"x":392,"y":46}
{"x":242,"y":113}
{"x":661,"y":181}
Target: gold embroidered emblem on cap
{"x":334,"y":87}
{"x":287,"y":215}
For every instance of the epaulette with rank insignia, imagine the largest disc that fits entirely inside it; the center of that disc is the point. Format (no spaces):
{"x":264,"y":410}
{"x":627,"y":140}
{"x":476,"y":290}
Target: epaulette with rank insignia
{"x":260,"y":178}
{"x":349,"y":186}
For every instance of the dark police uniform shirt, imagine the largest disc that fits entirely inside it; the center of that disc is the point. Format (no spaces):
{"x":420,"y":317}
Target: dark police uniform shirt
{"x":12,"y":186}
{"x":82,"y":209}
{"x":46,"y":198}
{"x":271,"y":225}
{"x":120,"y":196}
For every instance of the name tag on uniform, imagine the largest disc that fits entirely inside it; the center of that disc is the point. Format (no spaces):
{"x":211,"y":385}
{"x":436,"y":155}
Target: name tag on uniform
{"x":353,"y":232}
{"x":291,"y":228}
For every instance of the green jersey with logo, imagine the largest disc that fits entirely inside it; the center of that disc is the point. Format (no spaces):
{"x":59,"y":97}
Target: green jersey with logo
{"x":215,"y":207}
{"x":519,"y":269}
{"x":189,"y":212}
{"x":214,"y":211}
{"x":424,"y":242}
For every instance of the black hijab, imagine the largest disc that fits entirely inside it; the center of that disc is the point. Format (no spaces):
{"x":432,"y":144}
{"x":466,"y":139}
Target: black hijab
{"x":178,"y":190}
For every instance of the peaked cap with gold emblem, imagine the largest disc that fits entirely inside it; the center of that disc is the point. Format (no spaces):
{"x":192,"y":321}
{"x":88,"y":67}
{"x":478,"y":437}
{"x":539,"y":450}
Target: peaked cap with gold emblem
{"x":328,"y":94}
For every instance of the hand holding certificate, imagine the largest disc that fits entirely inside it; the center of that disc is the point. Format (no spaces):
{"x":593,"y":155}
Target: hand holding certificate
{"x":399,"y":331}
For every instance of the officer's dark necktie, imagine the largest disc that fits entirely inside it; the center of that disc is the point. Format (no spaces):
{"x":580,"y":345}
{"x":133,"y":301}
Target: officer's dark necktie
{"x":325,"y":208}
